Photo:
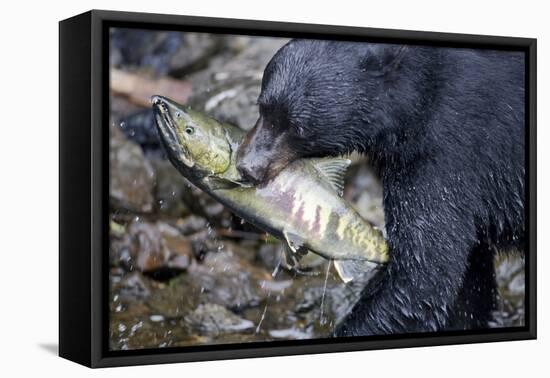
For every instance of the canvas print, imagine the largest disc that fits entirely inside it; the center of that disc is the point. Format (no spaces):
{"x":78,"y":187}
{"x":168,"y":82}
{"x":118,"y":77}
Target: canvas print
{"x":265,"y":189}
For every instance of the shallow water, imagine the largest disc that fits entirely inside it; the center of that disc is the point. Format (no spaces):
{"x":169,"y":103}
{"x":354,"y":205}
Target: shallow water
{"x":229,"y":295}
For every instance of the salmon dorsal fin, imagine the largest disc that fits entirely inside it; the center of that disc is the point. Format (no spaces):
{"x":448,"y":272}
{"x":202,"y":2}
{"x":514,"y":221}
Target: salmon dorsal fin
{"x":334,"y":170}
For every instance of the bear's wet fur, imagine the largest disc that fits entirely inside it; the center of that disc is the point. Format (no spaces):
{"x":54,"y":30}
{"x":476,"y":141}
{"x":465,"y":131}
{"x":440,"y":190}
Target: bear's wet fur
{"x":444,"y":127}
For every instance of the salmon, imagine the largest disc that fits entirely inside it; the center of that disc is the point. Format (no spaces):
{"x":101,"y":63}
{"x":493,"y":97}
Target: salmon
{"x":302,"y":205}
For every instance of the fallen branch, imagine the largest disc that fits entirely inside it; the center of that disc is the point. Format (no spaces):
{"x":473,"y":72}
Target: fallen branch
{"x":139,"y":89}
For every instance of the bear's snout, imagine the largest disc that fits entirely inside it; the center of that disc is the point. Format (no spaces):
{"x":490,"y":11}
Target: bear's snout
{"x":250,"y":172}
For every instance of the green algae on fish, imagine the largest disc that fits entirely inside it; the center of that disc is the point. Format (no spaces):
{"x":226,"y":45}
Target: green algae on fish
{"x":302,"y":205}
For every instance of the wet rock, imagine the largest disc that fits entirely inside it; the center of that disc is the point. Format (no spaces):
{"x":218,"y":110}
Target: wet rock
{"x":213,"y":210}
{"x":180,"y":250}
{"x":269,"y":255}
{"x":135,"y":48}
{"x":214,"y":319}
{"x":131,"y":175}
{"x":242,"y":249}
{"x":321,"y":302}
{"x":194,"y":53}
{"x":510,"y":276}
{"x":191,"y":224}
{"x":122,"y":310}
{"x":507,"y":265}
{"x":139,"y":333}
{"x":516,"y":287}
{"x":147,"y":250}
{"x":225,"y":279}
{"x":291,"y":333}
{"x":205,"y":242}
{"x":161,"y":53}
{"x":150,"y":247}
{"x":364,"y":191}
{"x":133,"y":286}
{"x":171,"y":189}
{"x":122,"y":108}
{"x":174,"y":187}
{"x":228,"y":281}
{"x":229,"y":87}
{"x":173,"y":301}
{"x":140,"y":128}
{"x":277,"y":286}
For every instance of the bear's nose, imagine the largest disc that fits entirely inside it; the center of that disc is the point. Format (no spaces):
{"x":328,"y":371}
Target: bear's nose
{"x":250,"y":173}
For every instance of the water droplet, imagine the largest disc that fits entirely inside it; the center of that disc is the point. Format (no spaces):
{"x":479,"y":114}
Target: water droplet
{"x":122,"y":125}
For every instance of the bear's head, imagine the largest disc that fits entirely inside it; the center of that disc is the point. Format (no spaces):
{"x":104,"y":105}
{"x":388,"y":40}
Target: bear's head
{"x":318,"y":98}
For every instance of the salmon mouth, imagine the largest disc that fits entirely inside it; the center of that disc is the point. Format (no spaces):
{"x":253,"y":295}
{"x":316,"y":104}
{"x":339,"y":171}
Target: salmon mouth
{"x":167,"y":131}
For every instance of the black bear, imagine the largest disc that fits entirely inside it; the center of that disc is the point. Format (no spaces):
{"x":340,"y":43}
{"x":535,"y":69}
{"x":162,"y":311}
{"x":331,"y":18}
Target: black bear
{"x":444,"y":127}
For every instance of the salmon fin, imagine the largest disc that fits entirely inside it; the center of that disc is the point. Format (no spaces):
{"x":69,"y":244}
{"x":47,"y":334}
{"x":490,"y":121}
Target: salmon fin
{"x":295,"y":243}
{"x":217,"y":183}
{"x":288,"y":259}
{"x":241,"y":184}
{"x":334,"y":170}
{"x":350,"y":270}
{"x":291,"y":261}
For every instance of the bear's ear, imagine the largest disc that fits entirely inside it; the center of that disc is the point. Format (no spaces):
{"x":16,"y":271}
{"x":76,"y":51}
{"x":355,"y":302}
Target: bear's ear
{"x":382,"y":58}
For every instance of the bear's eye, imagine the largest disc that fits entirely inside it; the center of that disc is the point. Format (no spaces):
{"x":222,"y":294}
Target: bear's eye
{"x":189,"y":130}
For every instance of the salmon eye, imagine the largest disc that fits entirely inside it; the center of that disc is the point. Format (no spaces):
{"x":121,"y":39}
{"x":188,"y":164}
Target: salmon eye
{"x":189,"y":130}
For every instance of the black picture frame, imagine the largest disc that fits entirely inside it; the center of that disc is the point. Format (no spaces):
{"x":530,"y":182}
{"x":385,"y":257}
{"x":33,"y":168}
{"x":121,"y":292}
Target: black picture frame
{"x":83,"y":182}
